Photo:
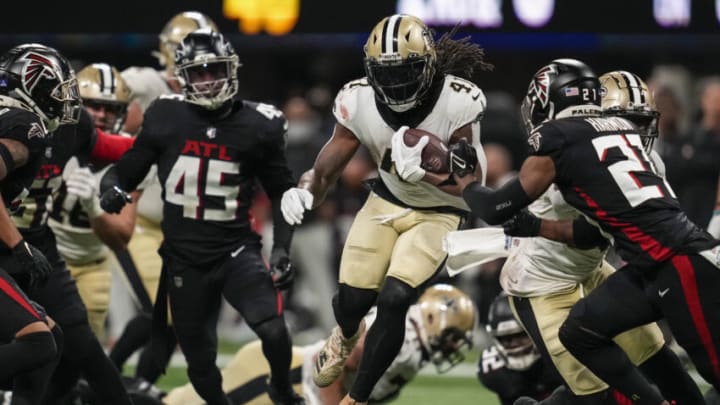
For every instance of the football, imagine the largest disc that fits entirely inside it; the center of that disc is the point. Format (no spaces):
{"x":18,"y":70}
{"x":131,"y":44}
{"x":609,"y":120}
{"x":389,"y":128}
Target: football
{"x":435,"y":153}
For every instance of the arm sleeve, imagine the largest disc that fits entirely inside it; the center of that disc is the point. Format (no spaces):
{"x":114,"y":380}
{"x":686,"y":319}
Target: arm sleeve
{"x":587,"y":236}
{"x":108,"y":148}
{"x":130,"y":170}
{"x":282,"y":231}
{"x":496,"y":206}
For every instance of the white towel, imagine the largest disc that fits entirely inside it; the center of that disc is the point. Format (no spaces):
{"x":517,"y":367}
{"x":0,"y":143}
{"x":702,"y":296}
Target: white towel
{"x":473,"y":247}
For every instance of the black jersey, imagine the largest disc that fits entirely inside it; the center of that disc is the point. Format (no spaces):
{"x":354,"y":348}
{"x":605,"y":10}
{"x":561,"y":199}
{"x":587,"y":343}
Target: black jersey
{"x":208,"y":166}
{"x":65,"y":142}
{"x":25,"y":127}
{"x":603,"y":171}
{"x":537,"y":382}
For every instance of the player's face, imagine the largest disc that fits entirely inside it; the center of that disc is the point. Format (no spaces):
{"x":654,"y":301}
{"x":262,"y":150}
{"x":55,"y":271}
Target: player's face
{"x":209,"y":78}
{"x":517,"y":342}
{"x":104,"y":115}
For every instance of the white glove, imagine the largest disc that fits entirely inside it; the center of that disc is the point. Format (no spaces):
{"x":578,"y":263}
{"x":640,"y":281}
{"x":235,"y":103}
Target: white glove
{"x":714,"y":225}
{"x":407,"y":159}
{"x":294,"y":203}
{"x":82,"y":185}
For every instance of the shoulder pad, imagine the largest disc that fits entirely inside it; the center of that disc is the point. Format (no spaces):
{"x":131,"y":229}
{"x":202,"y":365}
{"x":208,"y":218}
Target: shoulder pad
{"x":349,"y":99}
{"x":465,"y":100}
{"x":271,"y":118}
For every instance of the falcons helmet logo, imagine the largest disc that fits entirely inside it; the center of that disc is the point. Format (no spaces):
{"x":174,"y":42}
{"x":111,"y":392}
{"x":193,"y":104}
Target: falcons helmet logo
{"x":541,"y":83}
{"x":36,"y":66}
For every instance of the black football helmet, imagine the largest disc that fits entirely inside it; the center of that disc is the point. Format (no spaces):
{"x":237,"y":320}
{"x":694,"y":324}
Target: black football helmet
{"x":206,"y":65}
{"x":511,"y":340}
{"x":556,"y":91}
{"x":43,"y":82}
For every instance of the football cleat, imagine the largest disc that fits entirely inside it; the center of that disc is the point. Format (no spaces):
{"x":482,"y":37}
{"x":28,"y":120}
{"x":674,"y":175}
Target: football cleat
{"x":290,"y":398}
{"x":331,"y":358}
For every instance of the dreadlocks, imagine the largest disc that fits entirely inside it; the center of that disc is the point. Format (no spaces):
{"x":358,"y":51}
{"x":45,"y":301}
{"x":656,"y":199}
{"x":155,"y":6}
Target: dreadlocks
{"x":460,"y":57}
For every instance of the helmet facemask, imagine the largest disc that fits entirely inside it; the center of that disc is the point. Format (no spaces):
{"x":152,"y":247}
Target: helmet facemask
{"x":448,"y":349}
{"x":518,"y":350}
{"x":206,"y":66}
{"x":400,"y":84}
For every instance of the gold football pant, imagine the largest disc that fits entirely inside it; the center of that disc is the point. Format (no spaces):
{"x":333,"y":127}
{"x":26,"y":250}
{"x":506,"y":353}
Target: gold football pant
{"x":550,"y":311}
{"x":143,"y":247}
{"x":244,"y":379}
{"x":388,"y":240}
{"x":93,"y":282}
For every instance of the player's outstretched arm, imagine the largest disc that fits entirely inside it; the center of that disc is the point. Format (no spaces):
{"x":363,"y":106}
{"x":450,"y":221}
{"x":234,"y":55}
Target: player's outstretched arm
{"x":330,"y":162}
{"x":315,"y":183}
{"x":497,"y":206}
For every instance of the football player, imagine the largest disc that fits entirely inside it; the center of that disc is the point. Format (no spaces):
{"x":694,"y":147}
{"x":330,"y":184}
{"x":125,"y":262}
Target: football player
{"x":83,"y":230}
{"x":438,"y":328}
{"x":546,"y":278}
{"x":511,"y":366}
{"x":601,"y":168}
{"x":42,"y":97}
{"x":82,"y":352}
{"x":210,"y":148}
{"x":146,"y":84}
{"x":395,"y":242}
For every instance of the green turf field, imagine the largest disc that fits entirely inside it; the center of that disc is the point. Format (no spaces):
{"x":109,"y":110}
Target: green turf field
{"x":423,"y":390}
{"x":426,"y":389}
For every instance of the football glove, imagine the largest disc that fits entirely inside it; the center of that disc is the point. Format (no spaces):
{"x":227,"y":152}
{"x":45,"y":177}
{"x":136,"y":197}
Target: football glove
{"x":407,"y":159}
{"x":281,"y":270}
{"x":32,"y":262}
{"x":83,"y":185}
{"x":294,"y":203}
{"x":462,"y":158}
{"x":523,"y":224}
{"x":114,"y":199}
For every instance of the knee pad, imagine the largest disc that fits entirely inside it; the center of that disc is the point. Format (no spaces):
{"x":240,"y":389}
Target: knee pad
{"x":351,"y":304}
{"x":395,"y":296}
{"x":271,"y":329}
{"x":578,"y":338}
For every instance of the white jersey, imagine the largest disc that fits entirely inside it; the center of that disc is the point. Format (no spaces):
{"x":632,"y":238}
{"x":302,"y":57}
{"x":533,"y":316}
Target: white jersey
{"x":540,"y":266}
{"x":146,"y":85}
{"x":76,"y":240}
{"x":403,"y":369}
{"x":460,"y":103}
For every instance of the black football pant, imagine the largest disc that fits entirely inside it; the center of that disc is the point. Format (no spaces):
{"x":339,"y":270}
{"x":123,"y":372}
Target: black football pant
{"x":82,"y":353}
{"x":683,"y":290}
{"x":664,"y":368}
{"x":28,"y":360}
{"x":195,"y":298}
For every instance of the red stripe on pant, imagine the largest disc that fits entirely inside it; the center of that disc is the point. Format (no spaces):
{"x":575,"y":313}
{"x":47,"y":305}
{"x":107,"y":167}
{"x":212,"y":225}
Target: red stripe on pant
{"x":686,"y":272}
{"x":17,"y":297}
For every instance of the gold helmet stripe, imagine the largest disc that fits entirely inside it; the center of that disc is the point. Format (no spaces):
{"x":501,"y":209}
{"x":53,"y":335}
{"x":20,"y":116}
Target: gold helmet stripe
{"x":390,"y":33}
{"x":107,"y":78}
{"x":634,"y":89}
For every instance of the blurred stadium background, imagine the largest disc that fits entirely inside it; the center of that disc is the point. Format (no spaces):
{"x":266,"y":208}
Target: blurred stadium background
{"x":297,"y":53}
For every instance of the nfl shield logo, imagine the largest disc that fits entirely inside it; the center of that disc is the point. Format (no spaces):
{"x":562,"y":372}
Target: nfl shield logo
{"x":211,"y":132}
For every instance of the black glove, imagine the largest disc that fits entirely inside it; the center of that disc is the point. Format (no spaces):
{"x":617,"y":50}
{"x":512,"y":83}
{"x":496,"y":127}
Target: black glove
{"x":32,"y":262}
{"x":523,"y":224}
{"x":281,"y":269}
{"x":462,"y":159}
{"x":114,"y":199}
